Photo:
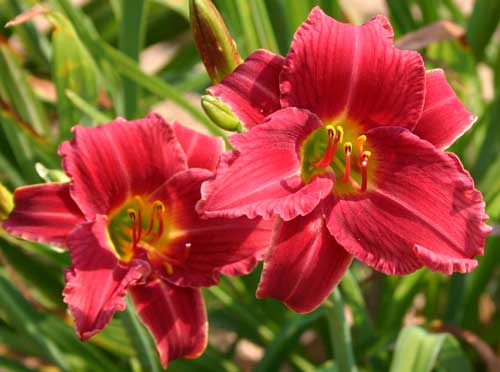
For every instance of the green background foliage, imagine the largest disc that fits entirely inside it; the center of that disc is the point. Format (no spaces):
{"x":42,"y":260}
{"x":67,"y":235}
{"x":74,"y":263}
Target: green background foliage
{"x":80,"y":64}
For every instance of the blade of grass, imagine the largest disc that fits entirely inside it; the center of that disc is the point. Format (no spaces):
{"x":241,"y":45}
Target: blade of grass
{"x":23,"y":317}
{"x":73,"y":69}
{"x":20,"y":145}
{"x":19,"y":92}
{"x":262,"y":26}
{"x":130,"y":43}
{"x":249,"y":32}
{"x":482,"y":24}
{"x":285,"y":339}
{"x":401,"y":16}
{"x":88,"y":109}
{"x":127,"y":67}
{"x":34,"y":42}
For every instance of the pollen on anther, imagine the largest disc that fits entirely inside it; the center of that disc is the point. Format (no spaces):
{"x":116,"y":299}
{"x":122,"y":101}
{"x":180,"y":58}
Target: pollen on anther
{"x":340,"y":134}
{"x":347,"y":172}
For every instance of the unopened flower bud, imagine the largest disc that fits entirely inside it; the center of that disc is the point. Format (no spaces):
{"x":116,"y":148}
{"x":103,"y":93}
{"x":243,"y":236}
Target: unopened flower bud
{"x":220,"y":113}
{"x":214,"y":42}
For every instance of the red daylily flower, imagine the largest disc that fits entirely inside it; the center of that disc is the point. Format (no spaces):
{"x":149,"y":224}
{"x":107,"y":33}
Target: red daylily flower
{"x":345,"y":145}
{"x":128,"y":219}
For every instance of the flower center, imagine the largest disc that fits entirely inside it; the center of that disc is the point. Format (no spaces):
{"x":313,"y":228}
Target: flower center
{"x":140,"y":224}
{"x":321,"y":153}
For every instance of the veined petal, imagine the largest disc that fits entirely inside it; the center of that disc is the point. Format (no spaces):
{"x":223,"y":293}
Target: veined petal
{"x":444,"y":117}
{"x":96,"y":282}
{"x":201,"y":151}
{"x":175,"y":316}
{"x":422,"y":209}
{"x":252,"y":90}
{"x":304,"y":263}
{"x":44,"y":213}
{"x":207,"y":247}
{"x":261,"y":177}
{"x":340,"y":70}
{"x":122,"y":158}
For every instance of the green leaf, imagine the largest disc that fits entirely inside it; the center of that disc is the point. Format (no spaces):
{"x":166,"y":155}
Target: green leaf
{"x":452,"y":358}
{"x":416,"y":350}
{"x":363,"y":331}
{"x":73,"y":69}
{"x":19,"y":93}
{"x":401,"y":16}
{"x":22,"y":316}
{"x":249,"y":33}
{"x":34,"y":42}
{"x":140,"y":339}
{"x":340,"y":333}
{"x":262,"y":26}
{"x":20,"y":145}
{"x":130,"y":43}
{"x":285,"y":339}
{"x":87,"y":108}
{"x":482,"y":24}
{"x":44,"y":276}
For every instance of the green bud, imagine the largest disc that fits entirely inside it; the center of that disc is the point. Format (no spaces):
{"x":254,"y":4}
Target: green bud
{"x":220,"y":113}
{"x":6,"y":202}
{"x":214,"y":42}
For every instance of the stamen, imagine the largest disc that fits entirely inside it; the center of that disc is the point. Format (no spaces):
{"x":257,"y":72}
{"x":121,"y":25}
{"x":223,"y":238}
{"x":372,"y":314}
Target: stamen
{"x":159,"y":208}
{"x":364,"y":170}
{"x":340,"y":134}
{"x":133,"y":219}
{"x":331,"y":147}
{"x":347,"y":151}
{"x":361,"y":140}
{"x":157,"y":204}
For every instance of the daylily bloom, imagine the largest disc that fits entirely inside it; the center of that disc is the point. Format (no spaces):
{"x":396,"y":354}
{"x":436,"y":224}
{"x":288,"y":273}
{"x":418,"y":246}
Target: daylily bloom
{"x":345,"y":144}
{"x":128,"y":219}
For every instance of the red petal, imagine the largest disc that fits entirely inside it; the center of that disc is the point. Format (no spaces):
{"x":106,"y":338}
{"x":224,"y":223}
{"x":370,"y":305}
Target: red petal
{"x":201,"y":151}
{"x":422,"y":197}
{"x":44,"y":213}
{"x":208,"y":246}
{"x":113,"y":161}
{"x":96,"y":283}
{"x":444,"y":117}
{"x":252,"y":90}
{"x":175,"y":316}
{"x":342,"y":70}
{"x":261,"y":177}
{"x":304,"y":264}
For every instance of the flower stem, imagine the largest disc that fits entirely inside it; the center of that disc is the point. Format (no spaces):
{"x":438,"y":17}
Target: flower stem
{"x":339,"y":332}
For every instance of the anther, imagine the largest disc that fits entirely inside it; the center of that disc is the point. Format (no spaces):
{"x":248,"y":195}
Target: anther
{"x":360,"y":140}
{"x":331,"y":147}
{"x":364,"y":170}
{"x":347,"y":172}
{"x":133,"y":220}
{"x":340,"y":134}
